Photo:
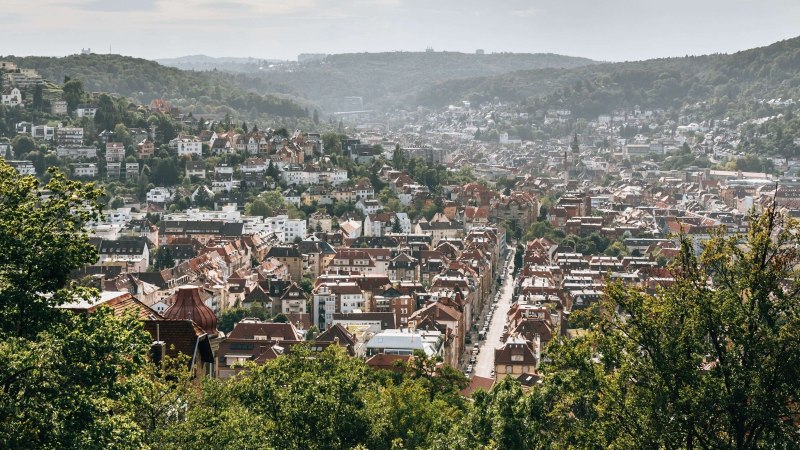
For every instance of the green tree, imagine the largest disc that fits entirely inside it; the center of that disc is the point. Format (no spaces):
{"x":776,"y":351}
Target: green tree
{"x":66,"y":379}
{"x":22,"y":144}
{"x":73,"y":93}
{"x":709,"y":362}
{"x":164,"y":259}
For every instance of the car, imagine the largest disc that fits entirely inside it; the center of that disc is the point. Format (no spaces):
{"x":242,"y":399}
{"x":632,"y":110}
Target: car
{"x":469,"y":369}
{"x":473,"y":359}
{"x":492,"y":374}
{"x":476,"y":347}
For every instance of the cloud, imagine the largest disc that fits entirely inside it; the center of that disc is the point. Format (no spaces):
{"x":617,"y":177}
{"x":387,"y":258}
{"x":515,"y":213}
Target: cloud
{"x":115,"y":5}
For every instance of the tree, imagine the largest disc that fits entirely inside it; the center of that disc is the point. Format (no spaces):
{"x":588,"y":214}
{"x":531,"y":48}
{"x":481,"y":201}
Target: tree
{"x":710,"y":362}
{"x":73,"y":93}
{"x":396,"y":226}
{"x":22,"y":144}
{"x":165,"y":172}
{"x":164,"y":259}
{"x":268,"y":204}
{"x":398,"y":158}
{"x":65,"y":378}
{"x":38,"y":98}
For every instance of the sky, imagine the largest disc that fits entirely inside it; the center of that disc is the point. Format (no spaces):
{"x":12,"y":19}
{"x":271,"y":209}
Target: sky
{"x":607,"y":30}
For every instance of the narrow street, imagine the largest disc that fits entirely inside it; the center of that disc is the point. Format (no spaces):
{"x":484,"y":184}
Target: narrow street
{"x":485,"y":364}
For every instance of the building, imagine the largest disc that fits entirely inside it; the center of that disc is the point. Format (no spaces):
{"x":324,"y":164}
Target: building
{"x":87,"y":170}
{"x":115,"y":152}
{"x":133,"y":253}
{"x":23,"y":167}
{"x":69,"y":136}
{"x":331,"y":298}
{"x":406,"y":342}
{"x":11,"y":97}
{"x":58,"y":108}
{"x":76,"y":152}
{"x":515,"y":357}
{"x":186,"y":146}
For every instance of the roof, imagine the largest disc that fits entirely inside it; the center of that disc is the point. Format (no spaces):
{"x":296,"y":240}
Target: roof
{"x":118,"y":301}
{"x":258,"y":330}
{"x":476,"y":383}
{"x":188,"y":304}
{"x":180,"y":337}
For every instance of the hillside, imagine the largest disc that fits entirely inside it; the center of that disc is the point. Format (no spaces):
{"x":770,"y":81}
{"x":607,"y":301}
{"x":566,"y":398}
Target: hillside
{"x":227,"y":64}
{"x":202,"y":93}
{"x":765,"y":72}
{"x":389,"y":79}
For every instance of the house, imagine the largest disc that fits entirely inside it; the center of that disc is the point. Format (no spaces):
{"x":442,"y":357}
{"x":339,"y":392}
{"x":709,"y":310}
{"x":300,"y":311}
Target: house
{"x":186,"y":146}
{"x":293,"y":300}
{"x":255,"y":341}
{"x":69,"y":136}
{"x":290,"y":257}
{"x":364,"y":190}
{"x":86,"y":110}
{"x":87,"y":170}
{"x":196,"y":169}
{"x":369,"y":206}
{"x":115,"y":152}
{"x":145,"y":149}
{"x":335,"y":297}
{"x":58,"y":108}
{"x":23,"y":167}
{"x":515,"y":357}
{"x":406,"y":342}
{"x":159,"y":195}
{"x":11,"y":96}
{"x":133,"y":253}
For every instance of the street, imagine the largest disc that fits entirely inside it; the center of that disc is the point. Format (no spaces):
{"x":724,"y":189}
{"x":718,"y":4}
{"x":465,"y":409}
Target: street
{"x":485,"y":364}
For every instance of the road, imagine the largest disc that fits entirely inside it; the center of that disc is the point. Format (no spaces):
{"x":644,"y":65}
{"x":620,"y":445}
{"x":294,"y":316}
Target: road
{"x":485,"y":364}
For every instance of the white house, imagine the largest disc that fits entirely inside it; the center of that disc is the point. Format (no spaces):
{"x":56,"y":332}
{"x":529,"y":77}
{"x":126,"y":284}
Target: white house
{"x":369,"y":206}
{"x":86,"y":111}
{"x":186,"y":146}
{"x":11,"y":97}
{"x":159,"y":195}
{"x":333,"y":298}
{"x":85,"y":171}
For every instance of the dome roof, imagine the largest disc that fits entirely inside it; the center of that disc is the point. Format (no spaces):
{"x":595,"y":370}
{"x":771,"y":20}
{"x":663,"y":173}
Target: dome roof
{"x":188,"y":304}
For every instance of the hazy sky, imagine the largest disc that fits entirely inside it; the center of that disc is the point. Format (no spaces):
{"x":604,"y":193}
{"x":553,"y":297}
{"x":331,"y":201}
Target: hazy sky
{"x":613,"y":30}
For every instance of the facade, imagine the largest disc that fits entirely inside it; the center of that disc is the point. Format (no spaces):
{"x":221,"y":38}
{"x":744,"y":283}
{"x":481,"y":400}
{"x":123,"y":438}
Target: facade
{"x":115,"y":152}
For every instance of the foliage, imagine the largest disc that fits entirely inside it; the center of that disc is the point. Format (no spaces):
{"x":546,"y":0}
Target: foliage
{"x":43,"y":240}
{"x":142,"y":81}
{"x":232,"y":316}
{"x":697,"y":365}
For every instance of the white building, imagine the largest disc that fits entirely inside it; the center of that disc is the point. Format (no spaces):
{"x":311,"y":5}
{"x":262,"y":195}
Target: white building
{"x":11,"y":97}
{"x":76,"y":152}
{"x":43,"y":132}
{"x":186,"y":146}
{"x":85,"y":171}
{"x":288,"y":229}
{"x":333,"y":298}
{"x":159,"y":195}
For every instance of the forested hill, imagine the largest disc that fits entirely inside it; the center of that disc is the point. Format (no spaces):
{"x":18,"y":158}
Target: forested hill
{"x":143,"y":80}
{"x":389,"y":79}
{"x":766,"y":72}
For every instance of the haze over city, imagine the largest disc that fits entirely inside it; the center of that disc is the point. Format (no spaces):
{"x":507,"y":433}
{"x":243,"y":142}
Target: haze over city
{"x":615,"y":30}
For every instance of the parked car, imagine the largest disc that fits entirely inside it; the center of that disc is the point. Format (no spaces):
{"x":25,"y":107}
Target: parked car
{"x":469,"y":369}
{"x":476,"y":348}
